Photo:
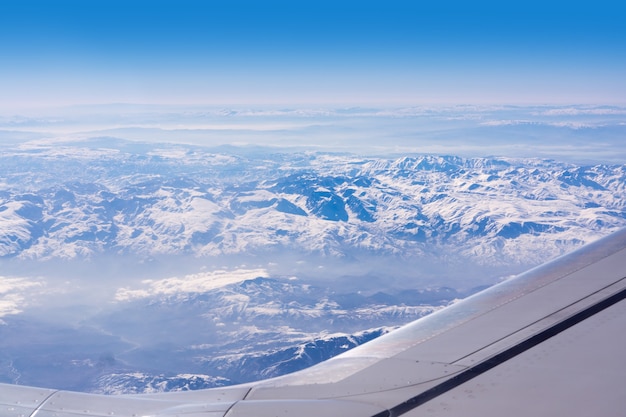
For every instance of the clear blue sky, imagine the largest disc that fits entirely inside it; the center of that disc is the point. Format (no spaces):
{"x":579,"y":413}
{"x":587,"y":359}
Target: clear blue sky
{"x":311,"y":52}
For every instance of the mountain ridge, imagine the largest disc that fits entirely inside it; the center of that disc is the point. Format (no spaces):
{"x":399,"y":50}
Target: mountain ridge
{"x":81,"y":201}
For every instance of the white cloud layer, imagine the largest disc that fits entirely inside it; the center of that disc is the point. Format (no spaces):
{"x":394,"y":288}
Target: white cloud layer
{"x":189,"y":284}
{"x":13,"y":294}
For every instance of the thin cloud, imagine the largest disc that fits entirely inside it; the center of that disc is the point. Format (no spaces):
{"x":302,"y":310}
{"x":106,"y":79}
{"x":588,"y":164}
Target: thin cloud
{"x":14,"y":294}
{"x":188,"y":284}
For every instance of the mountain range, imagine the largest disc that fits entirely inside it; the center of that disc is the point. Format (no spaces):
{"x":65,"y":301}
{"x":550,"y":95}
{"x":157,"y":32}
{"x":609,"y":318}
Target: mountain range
{"x":252,"y":262}
{"x":240,"y":332}
{"x":81,"y":199}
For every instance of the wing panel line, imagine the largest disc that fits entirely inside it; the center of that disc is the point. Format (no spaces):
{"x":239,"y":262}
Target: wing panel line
{"x":41,"y":404}
{"x":529,"y":325}
{"x":502,"y":357}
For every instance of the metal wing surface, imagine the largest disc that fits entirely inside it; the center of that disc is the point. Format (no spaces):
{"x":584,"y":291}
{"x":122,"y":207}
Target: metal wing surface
{"x":549,"y":342}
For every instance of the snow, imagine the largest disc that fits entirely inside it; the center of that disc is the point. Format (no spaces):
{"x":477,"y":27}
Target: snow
{"x":185,"y":200}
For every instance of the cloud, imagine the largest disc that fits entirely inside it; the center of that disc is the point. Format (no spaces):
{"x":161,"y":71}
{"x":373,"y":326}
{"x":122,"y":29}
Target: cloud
{"x":13,"y":294}
{"x":189,"y":284}
{"x":578,"y":111}
{"x":463,"y":130}
{"x":508,"y":123}
{"x":568,"y":124}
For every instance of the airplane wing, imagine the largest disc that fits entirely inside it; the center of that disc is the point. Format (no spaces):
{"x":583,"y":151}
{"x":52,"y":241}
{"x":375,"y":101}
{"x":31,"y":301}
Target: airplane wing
{"x":551,"y":341}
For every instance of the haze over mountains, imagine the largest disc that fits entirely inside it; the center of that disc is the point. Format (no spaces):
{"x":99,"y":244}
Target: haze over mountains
{"x":580,"y":134}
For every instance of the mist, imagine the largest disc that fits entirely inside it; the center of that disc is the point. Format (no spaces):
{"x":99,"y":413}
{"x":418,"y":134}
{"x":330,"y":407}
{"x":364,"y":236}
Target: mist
{"x":71,"y":291}
{"x":580,"y":134}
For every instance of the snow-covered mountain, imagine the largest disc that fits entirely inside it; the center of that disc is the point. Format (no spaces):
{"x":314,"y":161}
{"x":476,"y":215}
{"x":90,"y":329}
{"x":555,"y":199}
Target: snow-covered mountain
{"x":239,"y":332}
{"x":105,"y":196}
{"x":187,"y":313}
{"x":236,"y":368}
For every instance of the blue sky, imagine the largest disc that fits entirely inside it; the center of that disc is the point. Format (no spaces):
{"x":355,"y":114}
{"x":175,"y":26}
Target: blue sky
{"x":311,"y":52}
